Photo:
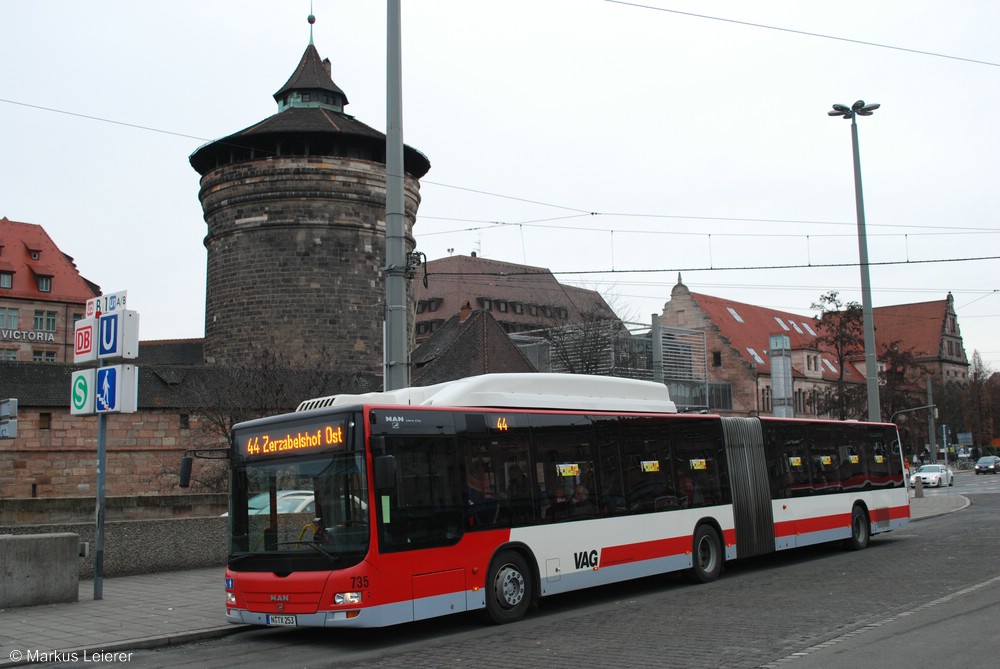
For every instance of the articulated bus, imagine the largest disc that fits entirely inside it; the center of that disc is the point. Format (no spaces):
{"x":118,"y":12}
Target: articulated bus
{"x":491,"y":492}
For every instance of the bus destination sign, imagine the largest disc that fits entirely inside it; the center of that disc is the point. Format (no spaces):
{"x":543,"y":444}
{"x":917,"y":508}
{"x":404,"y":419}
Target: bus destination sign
{"x":281,"y":440}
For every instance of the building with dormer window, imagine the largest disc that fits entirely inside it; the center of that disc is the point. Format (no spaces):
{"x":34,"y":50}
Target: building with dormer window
{"x":42,"y":295}
{"x":738,"y":337}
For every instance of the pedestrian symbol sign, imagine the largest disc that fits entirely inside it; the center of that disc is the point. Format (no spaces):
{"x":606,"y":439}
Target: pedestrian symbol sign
{"x":115,"y":389}
{"x":107,"y":389}
{"x":104,"y":390}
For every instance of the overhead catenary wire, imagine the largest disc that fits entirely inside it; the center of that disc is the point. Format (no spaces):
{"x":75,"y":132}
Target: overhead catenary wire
{"x":580,"y":211}
{"x":804,"y":33}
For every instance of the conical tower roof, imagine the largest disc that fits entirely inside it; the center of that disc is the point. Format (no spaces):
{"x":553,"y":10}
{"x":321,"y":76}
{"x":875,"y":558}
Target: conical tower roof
{"x":310,"y":121}
{"x":312,"y":74}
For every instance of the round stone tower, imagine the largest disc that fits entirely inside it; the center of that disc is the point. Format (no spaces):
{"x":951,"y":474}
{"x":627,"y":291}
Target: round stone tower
{"x":295,"y":207}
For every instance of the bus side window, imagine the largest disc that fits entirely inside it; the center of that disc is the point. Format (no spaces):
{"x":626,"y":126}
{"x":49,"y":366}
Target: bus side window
{"x":563,"y":448}
{"x":497,"y":470}
{"x":647,"y":469}
{"x":700,"y":460}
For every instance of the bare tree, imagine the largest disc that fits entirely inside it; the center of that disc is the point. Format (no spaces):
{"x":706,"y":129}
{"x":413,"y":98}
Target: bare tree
{"x":899,"y":379}
{"x":992,"y":389}
{"x":979,"y":401}
{"x":585,"y":347}
{"x":588,"y":345}
{"x":265,"y":383}
{"x":840,"y":331}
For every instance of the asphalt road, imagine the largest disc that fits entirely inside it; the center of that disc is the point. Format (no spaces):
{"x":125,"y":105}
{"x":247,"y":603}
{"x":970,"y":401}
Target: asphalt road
{"x":925,"y":596}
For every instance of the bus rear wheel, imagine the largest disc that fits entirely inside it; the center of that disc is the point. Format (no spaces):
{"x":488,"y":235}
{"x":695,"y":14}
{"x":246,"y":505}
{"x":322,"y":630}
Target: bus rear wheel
{"x":861,"y":530}
{"x":706,"y":555}
{"x":509,"y":588}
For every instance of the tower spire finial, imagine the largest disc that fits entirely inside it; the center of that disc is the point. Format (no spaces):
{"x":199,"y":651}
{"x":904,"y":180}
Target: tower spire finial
{"x":312,"y":20}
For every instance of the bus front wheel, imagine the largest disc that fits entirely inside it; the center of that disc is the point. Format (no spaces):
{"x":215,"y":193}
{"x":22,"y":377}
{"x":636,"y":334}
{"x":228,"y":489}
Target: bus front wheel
{"x":508,"y":588}
{"x":706,"y":555}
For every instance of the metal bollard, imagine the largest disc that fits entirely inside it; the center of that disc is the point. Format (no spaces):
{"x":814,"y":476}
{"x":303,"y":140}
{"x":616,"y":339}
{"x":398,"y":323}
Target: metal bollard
{"x":918,"y":488}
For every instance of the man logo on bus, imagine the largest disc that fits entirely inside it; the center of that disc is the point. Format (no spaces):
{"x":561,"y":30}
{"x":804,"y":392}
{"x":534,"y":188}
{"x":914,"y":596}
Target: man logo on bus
{"x":585,"y":559}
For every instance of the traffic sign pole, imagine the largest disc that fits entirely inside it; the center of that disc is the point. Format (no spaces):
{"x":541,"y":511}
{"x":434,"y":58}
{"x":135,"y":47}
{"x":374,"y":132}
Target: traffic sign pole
{"x":109,"y":332}
{"x":8,"y":418}
{"x":102,"y":459}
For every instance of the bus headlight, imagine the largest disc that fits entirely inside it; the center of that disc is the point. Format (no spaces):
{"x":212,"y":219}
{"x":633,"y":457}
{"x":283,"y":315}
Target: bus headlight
{"x":230,"y":599}
{"x":347,"y":598}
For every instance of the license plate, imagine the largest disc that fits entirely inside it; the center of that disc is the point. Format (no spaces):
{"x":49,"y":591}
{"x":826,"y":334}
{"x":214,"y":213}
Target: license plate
{"x":283,"y":621}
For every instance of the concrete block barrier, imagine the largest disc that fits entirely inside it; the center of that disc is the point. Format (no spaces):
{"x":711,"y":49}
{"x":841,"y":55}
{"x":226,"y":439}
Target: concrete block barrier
{"x":39,"y":569}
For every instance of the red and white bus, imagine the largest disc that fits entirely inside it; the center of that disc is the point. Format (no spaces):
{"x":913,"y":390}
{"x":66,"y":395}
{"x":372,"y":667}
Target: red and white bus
{"x":491,"y":492}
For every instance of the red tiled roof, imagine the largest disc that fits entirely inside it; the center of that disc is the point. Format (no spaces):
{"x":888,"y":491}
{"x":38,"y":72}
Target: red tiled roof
{"x":19,"y":241}
{"x":918,"y":326}
{"x":748,"y":328}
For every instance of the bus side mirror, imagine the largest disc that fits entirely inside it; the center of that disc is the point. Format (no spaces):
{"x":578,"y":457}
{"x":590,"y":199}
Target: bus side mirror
{"x":385,"y":471}
{"x":186,"y":463}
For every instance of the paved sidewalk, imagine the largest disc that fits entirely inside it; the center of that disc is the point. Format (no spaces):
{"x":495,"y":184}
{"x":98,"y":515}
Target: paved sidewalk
{"x":136,"y":612}
{"x":156,"y":610}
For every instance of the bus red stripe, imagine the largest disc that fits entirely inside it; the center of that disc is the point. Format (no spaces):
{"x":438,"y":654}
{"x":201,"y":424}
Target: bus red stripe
{"x":644,"y":550}
{"x":804,"y":525}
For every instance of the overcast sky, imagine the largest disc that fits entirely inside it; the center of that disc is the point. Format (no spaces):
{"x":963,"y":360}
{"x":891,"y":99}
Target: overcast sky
{"x":614,"y":143}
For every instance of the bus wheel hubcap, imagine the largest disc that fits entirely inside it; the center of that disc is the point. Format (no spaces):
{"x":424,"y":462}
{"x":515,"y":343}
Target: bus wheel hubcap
{"x":509,"y":586}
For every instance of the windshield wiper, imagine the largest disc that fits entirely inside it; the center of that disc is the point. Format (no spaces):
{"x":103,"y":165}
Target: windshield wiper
{"x":312,"y":544}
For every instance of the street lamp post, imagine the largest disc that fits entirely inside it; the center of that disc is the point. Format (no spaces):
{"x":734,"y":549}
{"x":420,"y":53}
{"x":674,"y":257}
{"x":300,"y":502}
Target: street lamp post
{"x":859,"y":108}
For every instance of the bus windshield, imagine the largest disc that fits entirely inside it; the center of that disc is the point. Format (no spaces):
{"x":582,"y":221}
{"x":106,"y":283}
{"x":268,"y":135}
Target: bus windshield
{"x":306,"y":512}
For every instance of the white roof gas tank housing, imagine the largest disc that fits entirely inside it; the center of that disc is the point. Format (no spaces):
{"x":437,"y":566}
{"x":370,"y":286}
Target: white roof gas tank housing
{"x":578,"y":392}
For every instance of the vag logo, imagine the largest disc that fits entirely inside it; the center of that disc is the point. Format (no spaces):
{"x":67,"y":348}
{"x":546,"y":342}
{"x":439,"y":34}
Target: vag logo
{"x":585,"y":559}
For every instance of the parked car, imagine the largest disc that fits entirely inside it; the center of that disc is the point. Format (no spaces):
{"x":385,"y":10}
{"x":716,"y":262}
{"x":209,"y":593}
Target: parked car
{"x":933,"y":475}
{"x":988,"y":464}
{"x":289,"y":501}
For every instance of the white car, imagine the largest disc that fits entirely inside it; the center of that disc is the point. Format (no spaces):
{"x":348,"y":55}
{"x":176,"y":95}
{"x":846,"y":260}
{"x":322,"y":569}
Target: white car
{"x":933,"y":475}
{"x":289,"y":501}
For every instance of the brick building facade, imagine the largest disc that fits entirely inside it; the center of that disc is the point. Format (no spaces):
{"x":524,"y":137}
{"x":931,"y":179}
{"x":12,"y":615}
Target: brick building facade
{"x":737,"y":337}
{"x":56,"y":454}
{"x":519,"y":297}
